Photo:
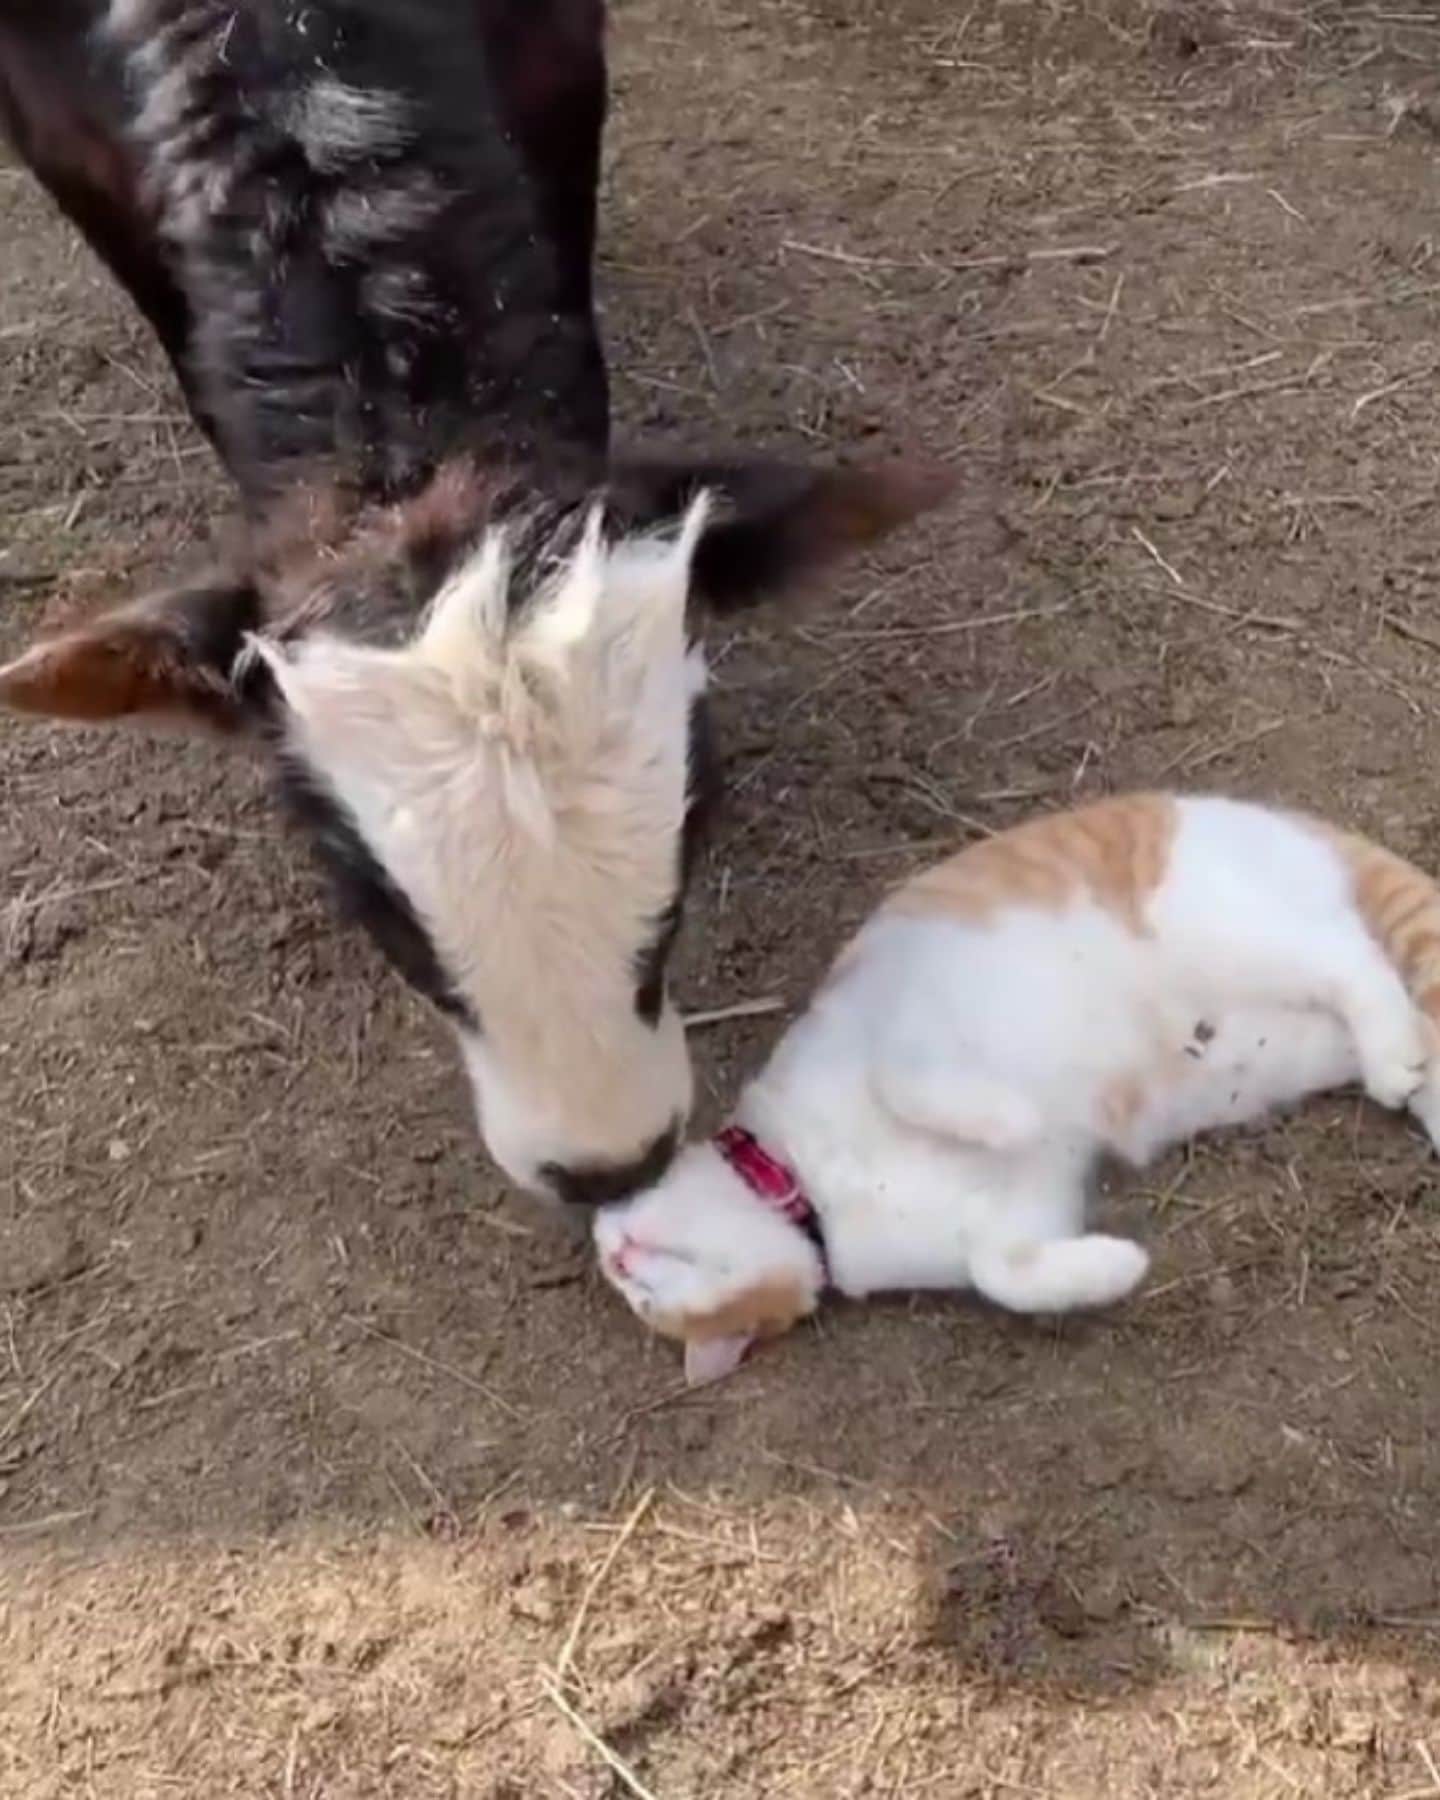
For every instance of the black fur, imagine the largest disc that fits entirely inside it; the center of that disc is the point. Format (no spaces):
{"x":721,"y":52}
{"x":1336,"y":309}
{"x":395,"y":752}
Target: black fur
{"x":196,"y":632}
{"x":775,"y":521}
{"x":213,"y":622}
{"x":750,"y":547}
{"x":378,"y":599}
{"x":363,"y":249}
{"x":65,"y":111}
{"x":601,"y":1184}
{"x":508,"y":101}
{"x":651,"y":963}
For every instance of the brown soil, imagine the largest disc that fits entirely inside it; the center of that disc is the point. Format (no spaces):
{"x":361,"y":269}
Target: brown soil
{"x":326,"y":1470}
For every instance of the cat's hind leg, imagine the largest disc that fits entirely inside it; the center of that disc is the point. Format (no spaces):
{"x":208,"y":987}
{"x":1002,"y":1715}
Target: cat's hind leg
{"x":1344,"y":970}
{"x":1425,"y":1103}
{"x":1058,"y":1274}
{"x":1356,"y":981}
{"x":1261,"y":941}
{"x":1391,"y":1039}
{"x":1390,"y":1035}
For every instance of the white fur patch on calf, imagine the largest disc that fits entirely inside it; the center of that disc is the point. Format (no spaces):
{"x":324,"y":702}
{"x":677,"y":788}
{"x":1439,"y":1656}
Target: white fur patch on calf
{"x":561,"y":617}
{"x":360,"y":218}
{"x":337,"y":125}
{"x":465,"y":623}
{"x":520,"y":771}
{"x":403,"y":294}
{"x":129,"y":19}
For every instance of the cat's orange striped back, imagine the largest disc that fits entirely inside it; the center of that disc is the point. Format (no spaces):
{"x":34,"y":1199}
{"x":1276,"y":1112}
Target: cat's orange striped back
{"x":1115,"y":851}
{"x":1400,"y":904}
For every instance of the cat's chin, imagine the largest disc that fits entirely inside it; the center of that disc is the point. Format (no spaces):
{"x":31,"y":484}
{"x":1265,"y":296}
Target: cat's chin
{"x":703,"y":1259}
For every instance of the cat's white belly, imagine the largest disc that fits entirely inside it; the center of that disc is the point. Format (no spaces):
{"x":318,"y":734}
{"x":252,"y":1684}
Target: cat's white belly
{"x":908,"y":1210}
{"x":908,"y":1229}
{"x":897,"y":1208}
{"x":905,"y":1210}
{"x":1103,"y":1046}
{"x":1254,"y":1060}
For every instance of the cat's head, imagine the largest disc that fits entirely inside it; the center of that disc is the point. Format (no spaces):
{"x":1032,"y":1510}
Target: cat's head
{"x":702,"y":1258}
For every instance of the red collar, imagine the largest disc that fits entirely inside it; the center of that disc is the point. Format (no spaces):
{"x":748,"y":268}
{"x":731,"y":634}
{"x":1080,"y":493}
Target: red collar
{"x":767,"y":1178}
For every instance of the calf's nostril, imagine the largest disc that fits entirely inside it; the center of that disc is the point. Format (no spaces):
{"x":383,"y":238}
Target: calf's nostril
{"x":600,"y":1184}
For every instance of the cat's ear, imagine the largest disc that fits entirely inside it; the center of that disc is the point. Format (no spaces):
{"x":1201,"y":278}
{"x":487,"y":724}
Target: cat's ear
{"x":712,"y":1359}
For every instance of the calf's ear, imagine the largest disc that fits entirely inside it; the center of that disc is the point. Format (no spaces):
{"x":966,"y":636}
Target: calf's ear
{"x":166,"y":659}
{"x":773,"y":523}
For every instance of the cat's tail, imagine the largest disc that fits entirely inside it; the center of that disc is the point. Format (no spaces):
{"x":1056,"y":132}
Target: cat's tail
{"x":1059,"y":1274}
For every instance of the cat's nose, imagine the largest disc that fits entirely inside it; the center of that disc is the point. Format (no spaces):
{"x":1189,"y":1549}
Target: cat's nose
{"x":619,"y":1257}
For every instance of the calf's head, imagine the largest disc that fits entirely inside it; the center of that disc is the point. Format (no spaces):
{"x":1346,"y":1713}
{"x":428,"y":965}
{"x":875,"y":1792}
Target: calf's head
{"x":491,"y":722}
{"x":504,"y":797}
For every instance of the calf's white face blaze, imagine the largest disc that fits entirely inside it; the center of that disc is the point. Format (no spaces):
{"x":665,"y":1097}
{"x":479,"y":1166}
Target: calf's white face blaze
{"x":521,"y":780}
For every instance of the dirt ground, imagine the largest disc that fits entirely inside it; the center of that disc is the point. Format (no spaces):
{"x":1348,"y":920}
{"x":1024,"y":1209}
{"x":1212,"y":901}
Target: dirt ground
{"x":327,"y":1469}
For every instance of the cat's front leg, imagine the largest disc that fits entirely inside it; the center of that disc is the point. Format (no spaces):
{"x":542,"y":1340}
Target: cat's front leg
{"x":1059,"y":1274}
{"x":966,"y":1105}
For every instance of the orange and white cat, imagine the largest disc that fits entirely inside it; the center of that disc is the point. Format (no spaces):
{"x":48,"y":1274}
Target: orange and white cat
{"x":1109,"y":980}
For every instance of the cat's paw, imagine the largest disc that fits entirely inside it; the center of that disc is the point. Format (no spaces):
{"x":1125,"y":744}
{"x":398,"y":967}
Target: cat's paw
{"x":1059,"y":1275}
{"x":1110,"y":1267}
{"x":1425,"y":1105}
{"x":1395,"y":1084}
{"x":1394,"y":1061}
